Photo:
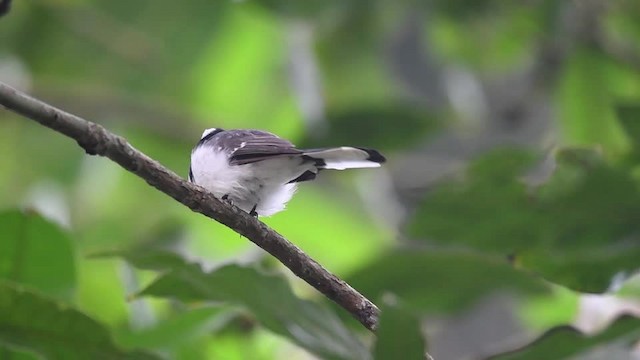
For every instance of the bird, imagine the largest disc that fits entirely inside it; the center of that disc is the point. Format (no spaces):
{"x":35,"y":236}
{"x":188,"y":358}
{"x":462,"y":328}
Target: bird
{"x":258,"y":171}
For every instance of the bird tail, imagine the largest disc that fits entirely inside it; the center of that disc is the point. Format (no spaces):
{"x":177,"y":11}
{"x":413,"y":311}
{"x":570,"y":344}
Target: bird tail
{"x":345,"y":157}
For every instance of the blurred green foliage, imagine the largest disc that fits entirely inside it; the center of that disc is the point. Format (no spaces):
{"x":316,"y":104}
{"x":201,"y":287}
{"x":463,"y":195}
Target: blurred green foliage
{"x":584,"y":199}
{"x":565,"y":341}
{"x":511,"y":129}
{"x":52,"y":330}
{"x":38,"y":254}
{"x":393,"y":321}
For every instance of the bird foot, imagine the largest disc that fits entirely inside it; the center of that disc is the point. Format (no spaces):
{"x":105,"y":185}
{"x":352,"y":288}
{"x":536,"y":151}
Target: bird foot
{"x":253,"y":211}
{"x":226,"y":199}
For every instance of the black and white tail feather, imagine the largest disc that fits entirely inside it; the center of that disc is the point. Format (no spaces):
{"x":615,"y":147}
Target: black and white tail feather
{"x":259,"y":171}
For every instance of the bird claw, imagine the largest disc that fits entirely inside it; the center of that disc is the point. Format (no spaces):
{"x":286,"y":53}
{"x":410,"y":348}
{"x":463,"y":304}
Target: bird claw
{"x":253,"y":212}
{"x":226,"y":199}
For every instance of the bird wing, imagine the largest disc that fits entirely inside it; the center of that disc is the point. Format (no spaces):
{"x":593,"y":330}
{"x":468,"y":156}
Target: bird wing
{"x":255,"y":145}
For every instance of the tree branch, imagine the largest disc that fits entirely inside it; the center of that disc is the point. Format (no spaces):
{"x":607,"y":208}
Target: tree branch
{"x":96,"y":140}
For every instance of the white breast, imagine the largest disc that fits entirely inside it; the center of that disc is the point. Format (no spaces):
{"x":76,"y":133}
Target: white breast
{"x":263,"y":183}
{"x":211,"y":170}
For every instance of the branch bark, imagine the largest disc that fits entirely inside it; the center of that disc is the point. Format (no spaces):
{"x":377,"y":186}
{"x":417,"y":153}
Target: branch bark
{"x":96,"y":140}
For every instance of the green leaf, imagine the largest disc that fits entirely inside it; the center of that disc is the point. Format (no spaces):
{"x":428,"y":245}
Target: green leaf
{"x":177,"y":329}
{"x":584,"y":158}
{"x":629,"y":117}
{"x":488,"y":211}
{"x":566,"y":342}
{"x":35,"y":252}
{"x":398,"y":335}
{"x":16,"y":354}
{"x":587,"y":229}
{"x":579,"y":229}
{"x":590,"y":271}
{"x":436,"y":281}
{"x":53,"y":330}
{"x":267,"y":296}
{"x":584,"y":102}
{"x":598,"y":208}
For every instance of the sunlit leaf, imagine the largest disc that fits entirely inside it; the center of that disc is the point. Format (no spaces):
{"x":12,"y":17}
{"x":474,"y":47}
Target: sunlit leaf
{"x":53,"y":330}
{"x":560,"y":307}
{"x":36,"y":252}
{"x":586,"y":112}
{"x":256,"y":343}
{"x":238,"y":77}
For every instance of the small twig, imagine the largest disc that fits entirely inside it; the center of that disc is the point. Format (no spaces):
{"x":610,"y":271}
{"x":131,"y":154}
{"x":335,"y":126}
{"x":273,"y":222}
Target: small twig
{"x":96,"y":140}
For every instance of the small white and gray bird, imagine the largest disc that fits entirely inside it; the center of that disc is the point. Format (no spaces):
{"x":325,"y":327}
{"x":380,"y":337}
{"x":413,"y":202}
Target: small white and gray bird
{"x":258,"y":171}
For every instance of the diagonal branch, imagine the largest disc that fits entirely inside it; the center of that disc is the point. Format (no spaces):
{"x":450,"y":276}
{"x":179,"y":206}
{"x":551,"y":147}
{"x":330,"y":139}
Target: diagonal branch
{"x":96,"y":140}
